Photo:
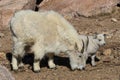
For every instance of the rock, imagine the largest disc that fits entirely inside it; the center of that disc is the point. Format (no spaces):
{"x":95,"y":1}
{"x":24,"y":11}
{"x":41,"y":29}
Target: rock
{"x":9,"y":7}
{"x":114,"y":20}
{"x":2,"y":54}
{"x":2,"y":35}
{"x":7,"y":10}
{"x":107,"y":52}
{"x":107,"y":58}
{"x":109,"y":35}
{"x":5,"y":74}
{"x":85,"y":8}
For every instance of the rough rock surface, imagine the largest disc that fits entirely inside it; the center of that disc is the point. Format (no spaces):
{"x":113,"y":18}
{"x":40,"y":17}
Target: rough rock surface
{"x":79,"y":7}
{"x":5,"y":74}
{"x":7,"y":10}
{"x":8,"y":7}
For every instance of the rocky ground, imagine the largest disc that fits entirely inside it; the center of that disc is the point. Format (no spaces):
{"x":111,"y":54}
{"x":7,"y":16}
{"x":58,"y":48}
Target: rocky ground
{"x":108,"y":66}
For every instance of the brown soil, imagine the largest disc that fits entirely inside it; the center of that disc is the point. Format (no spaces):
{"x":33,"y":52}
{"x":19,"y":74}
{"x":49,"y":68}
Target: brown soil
{"x":108,"y":67}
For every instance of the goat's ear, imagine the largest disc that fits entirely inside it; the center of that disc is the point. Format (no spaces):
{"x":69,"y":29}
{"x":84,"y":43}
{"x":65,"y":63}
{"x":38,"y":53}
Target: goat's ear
{"x":76,"y":46}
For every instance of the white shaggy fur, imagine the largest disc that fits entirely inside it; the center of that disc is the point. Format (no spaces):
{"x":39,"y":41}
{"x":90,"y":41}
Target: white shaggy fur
{"x":47,"y":33}
{"x":91,"y":44}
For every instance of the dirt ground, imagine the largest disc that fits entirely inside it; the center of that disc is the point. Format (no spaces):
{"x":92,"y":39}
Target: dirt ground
{"x":107,"y":68}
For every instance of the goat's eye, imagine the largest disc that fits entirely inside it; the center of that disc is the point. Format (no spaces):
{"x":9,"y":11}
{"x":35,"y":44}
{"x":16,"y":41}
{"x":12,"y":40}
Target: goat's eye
{"x":80,"y":56}
{"x":99,"y":39}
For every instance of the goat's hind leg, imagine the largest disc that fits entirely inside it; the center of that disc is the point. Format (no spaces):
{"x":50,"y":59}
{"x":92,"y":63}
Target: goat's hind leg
{"x":17,"y":55}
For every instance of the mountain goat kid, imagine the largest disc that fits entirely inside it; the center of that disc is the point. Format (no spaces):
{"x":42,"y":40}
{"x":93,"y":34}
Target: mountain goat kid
{"x":91,"y":44}
{"x":47,"y":33}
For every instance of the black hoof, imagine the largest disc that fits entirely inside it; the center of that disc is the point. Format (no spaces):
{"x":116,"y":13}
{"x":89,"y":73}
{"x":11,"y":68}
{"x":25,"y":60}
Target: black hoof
{"x":21,"y":69}
{"x":80,"y":69}
{"x":15,"y":70}
{"x":72,"y":69}
{"x":37,"y":71}
{"x":54,"y":68}
{"x":83,"y":69}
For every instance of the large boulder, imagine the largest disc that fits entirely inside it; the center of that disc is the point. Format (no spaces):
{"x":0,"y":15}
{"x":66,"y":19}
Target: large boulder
{"x":80,"y":7}
{"x":8,"y":7}
{"x":5,"y":74}
{"x":7,"y":10}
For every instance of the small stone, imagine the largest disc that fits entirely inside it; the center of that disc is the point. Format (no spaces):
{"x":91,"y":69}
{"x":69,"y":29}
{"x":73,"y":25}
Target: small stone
{"x":54,"y":74}
{"x":2,"y":54}
{"x":107,"y":52}
{"x":107,"y":58}
{"x":109,"y":36}
{"x":114,"y":20}
{"x":2,"y":35}
{"x":98,"y":70}
{"x":68,"y":17}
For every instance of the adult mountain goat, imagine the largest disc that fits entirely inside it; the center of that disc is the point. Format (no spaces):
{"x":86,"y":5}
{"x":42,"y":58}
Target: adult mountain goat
{"x":47,"y":33}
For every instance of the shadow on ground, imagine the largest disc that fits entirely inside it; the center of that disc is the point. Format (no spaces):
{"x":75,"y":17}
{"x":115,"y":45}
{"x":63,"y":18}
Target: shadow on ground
{"x":29,"y":59}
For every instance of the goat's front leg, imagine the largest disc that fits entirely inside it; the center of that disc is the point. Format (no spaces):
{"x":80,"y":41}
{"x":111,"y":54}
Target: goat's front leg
{"x":51,"y":63}
{"x":93,"y":60}
{"x":38,"y":55}
{"x":17,"y":55}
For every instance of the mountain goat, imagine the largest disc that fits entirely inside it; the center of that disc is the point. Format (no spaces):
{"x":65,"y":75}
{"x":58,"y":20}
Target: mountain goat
{"x":91,"y":44}
{"x":46,"y":32}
